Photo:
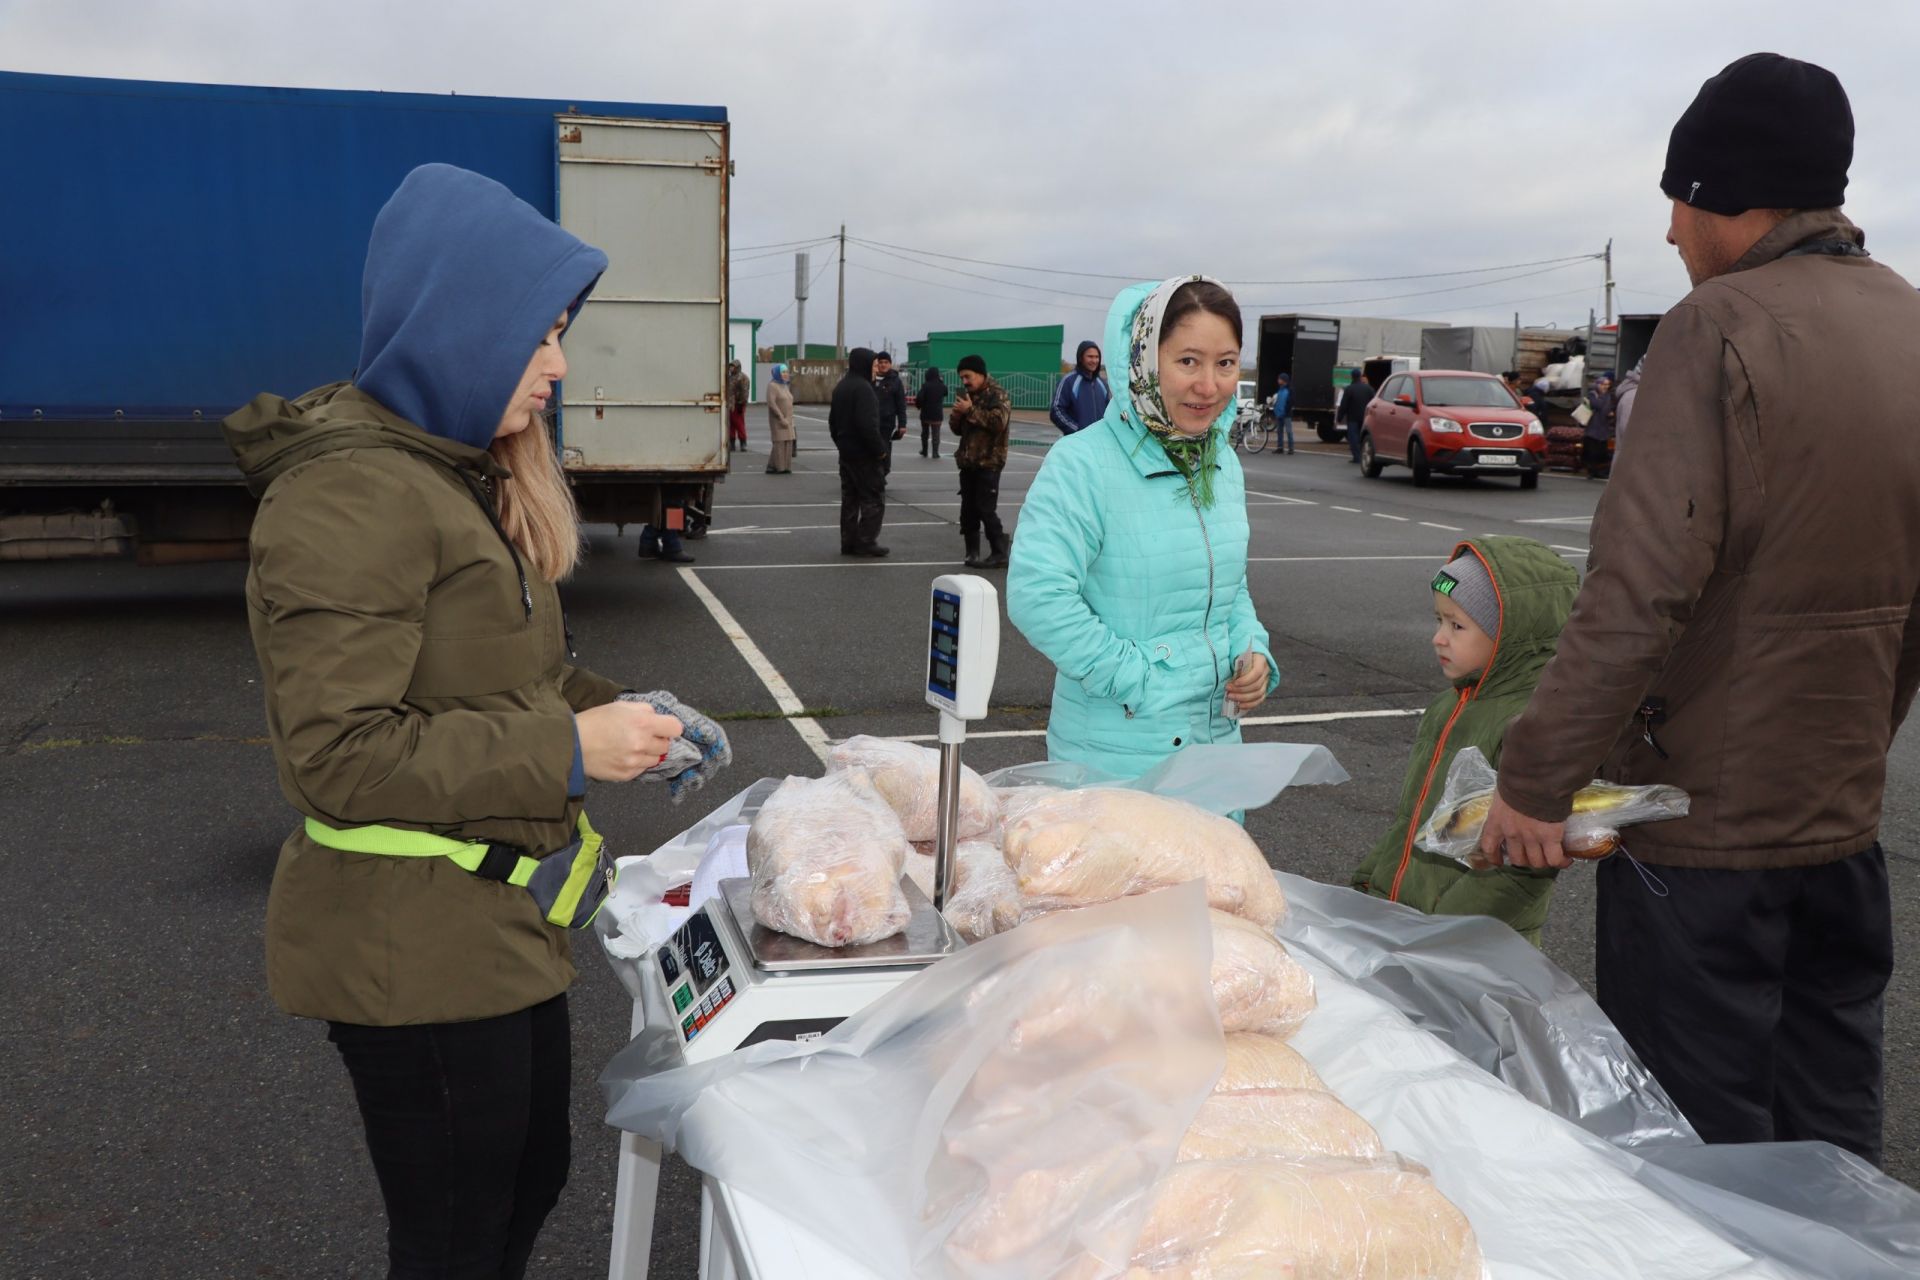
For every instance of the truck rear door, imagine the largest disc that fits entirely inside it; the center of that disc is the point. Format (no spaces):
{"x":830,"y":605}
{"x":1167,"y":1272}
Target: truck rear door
{"x":646,"y":356}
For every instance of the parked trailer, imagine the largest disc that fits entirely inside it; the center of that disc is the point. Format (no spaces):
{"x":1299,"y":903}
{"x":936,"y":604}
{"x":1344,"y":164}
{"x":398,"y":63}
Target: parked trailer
{"x":175,"y":249}
{"x":1306,"y":349}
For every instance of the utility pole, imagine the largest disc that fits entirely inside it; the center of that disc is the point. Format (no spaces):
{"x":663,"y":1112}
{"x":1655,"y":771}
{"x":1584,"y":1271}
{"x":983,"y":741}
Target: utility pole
{"x":1609,"y":256}
{"x":800,"y":283}
{"x":840,"y":315}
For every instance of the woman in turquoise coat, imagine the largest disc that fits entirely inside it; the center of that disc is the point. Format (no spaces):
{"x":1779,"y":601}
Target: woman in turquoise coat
{"x":1130,"y":567}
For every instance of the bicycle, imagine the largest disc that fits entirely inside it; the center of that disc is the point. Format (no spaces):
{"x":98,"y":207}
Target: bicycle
{"x":1250,"y":431}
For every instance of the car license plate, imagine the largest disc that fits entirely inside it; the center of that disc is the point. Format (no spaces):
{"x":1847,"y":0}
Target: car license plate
{"x":1498,"y":460}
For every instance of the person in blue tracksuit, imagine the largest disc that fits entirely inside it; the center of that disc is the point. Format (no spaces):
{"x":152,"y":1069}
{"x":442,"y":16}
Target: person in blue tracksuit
{"x":1283,"y":415}
{"x":1129,"y":570}
{"x":1082,"y":395}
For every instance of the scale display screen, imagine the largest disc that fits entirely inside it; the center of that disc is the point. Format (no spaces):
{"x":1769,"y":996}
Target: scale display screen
{"x":943,"y":649}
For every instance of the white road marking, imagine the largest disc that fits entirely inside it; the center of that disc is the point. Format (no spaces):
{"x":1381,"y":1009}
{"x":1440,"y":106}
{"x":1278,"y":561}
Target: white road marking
{"x":1450,"y":528}
{"x":783,"y":696}
{"x":1322,"y":717}
{"x":1317,"y":559}
{"x":1352,"y":511}
{"x":805,"y":528}
{"x":881,"y":563}
{"x":1281,"y":497}
{"x":1381,"y":515}
{"x":1557,"y":520}
{"x":1575,"y":550}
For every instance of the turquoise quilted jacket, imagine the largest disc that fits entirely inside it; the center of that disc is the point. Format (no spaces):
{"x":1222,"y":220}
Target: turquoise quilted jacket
{"x":1137,"y":596}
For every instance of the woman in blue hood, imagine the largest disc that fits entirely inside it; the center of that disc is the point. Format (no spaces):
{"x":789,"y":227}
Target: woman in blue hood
{"x":1130,"y":569}
{"x":425,"y":722}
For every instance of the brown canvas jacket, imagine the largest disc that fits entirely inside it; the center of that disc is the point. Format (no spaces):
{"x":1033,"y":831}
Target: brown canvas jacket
{"x":410,"y":681}
{"x":1755,"y":570}
{"x":983,"y":428}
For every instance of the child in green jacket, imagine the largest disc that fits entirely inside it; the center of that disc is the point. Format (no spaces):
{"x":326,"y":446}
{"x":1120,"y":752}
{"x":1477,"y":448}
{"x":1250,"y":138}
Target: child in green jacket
{"x":1499,"y":606}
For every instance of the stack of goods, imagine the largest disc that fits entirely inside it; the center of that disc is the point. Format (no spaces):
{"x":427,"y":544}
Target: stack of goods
{"x":1563,"y":447}
{"x":1274,"y":1176}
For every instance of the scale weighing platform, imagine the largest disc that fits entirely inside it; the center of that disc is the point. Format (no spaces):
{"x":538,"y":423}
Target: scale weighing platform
{"x":725,"y":981}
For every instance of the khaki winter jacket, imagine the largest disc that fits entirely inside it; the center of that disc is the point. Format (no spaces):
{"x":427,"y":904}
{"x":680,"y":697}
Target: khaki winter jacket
{"x":415,"y":676}
{"x":779,"y":412}
{"x":984,"y":428}
{"x":1755,"y":573}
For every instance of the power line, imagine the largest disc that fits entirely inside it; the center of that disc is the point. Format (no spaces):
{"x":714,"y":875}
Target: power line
{"x":934,"y":266}
{"x":767,"y":323}
{"x":779,"y":253}
{"x":1132,"y":278}
{"x":978,"y":293}
{"x":783,"y":244}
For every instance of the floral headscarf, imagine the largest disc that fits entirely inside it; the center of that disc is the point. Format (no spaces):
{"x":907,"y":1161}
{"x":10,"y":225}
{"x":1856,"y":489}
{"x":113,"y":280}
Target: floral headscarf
{"x":1194,"y":456}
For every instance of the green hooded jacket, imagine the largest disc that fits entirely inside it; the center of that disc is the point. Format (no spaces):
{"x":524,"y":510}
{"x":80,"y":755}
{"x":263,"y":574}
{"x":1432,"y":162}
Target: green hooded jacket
{"x":1536,"y":590}
{"x":415,"y":676}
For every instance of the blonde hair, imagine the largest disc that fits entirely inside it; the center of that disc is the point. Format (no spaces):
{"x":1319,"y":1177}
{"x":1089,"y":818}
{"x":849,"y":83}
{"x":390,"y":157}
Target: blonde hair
{"x":536,"y":505}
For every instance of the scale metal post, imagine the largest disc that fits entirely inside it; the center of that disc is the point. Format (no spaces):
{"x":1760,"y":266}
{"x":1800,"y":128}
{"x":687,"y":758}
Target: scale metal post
{"x":725,"y":981}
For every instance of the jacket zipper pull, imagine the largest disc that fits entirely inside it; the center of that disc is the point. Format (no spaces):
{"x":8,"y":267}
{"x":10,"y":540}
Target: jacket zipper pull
{"x":526,"y":594}
{"x":566,"y":629}
{"x":1652,"y":713}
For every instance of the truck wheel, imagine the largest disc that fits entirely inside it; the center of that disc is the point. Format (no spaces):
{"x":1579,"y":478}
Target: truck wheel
{"x":1329,"y":434}
{"x":1530,"y":480}
{"x":1370,"y":464}
{"x":1417,"y":460}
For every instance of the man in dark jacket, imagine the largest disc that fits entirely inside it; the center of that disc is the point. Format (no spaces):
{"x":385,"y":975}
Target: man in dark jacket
{"x":1082,"y":395}
{"x":853,"y":420}
{"x":1353,"y":409}
{"x":982,"y":418}
{"x":931,"y":400}
{"x":1597,"y":445}
{"x":892,"y":396}
{"x":1749,"y":631}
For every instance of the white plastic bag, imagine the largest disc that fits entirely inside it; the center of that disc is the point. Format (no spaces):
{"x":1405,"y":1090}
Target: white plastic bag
{"x":826,"y":856}
{"x":1002,"y":1114}
{"x":1101,"y":843}
{"x":986,"y":898}
{"x":908,"y":778}
{"x":1600,"y":809}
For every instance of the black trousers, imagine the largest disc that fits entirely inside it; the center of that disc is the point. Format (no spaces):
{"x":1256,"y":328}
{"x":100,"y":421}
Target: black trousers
{"x":1756,"y":998}
{"x":467,"y":1126}
{"x":863,"y":501}
{"x":930,"y":436}
{"x":980,"y":506}
{"x":1595,"y":454}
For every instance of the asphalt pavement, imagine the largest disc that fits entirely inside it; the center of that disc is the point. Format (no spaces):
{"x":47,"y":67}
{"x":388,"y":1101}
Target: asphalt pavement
{"x":167,"y":1121}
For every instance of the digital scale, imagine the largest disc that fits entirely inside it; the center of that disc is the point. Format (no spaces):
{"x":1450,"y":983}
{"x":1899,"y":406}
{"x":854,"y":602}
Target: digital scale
{"x":725,"y":981}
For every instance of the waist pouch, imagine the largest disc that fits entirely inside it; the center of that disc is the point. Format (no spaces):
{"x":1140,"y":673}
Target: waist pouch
{"x":568,"y":885}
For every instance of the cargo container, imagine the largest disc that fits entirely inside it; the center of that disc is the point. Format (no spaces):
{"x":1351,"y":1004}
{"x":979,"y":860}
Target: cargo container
{"x":175,"y":249}
{"x":1306,"y":349}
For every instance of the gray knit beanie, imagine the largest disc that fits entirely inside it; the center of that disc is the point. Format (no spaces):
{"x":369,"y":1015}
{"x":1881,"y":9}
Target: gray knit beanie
{"x":1465,"y":582}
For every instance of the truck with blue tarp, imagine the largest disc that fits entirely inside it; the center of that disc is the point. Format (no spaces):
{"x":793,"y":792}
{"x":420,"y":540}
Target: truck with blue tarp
{"x":173,"y":250}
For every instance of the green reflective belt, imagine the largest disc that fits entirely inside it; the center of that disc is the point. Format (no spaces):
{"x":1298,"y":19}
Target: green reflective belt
{"x":568,"y":886}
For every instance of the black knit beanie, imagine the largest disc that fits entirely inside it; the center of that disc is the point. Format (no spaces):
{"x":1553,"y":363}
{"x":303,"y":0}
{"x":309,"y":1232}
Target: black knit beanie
{"x":973,"y":364}
{"x":1766,"y":133}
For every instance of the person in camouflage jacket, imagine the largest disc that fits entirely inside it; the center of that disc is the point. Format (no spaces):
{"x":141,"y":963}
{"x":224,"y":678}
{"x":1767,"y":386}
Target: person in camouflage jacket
{"x":982,"y":418}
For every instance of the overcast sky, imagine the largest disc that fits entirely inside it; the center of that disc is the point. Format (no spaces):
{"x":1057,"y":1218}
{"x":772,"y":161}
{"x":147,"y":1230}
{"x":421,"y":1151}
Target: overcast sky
{"x":1251,"y":141}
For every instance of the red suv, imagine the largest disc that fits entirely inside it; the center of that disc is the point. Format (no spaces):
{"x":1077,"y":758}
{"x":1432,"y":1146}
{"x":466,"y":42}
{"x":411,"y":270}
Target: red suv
{"x":1455,"y":423}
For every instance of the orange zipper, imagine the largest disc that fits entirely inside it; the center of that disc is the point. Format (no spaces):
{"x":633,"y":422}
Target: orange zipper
{"x":1440,"y":748}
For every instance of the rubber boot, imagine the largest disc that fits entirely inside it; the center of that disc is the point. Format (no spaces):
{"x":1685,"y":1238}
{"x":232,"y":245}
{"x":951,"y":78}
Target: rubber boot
{"x":998,"y":560}
{"x":973,"y":551}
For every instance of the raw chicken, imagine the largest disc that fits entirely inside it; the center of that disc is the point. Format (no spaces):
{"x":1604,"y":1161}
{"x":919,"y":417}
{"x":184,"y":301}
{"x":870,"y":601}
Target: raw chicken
{"x":1278,"y":1122}
{"x":908,"y":779}
{"x":1304,"y":1220}
{"x":1258,"y":1061}
{"x":1256,"y":984}
{"x":1097,"y":844}
{"x":986,"y":898}
{"x":825,"y":855}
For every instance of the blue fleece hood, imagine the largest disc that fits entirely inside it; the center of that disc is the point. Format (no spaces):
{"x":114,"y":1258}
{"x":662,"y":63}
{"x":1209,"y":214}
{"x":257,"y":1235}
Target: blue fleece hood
{"x":463,"y":280}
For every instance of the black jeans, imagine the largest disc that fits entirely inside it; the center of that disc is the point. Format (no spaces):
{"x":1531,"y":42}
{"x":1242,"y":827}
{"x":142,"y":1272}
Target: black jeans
{"x":1354,"y":433}
{"x":467,"y":1126}
{"x":930,"y":436}
{"x":980,"y":506}
{"x":863,"y":501}
{"x":1757,"y":998}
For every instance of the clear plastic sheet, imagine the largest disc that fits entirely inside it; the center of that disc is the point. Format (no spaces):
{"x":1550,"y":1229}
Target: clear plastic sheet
{"x":826,"y":856}
{"x":1806,"y":1210}
{"x":1278,"y":1122}
{"x":908,"y":778}
{"x":1100,"y":843}
{"x":986,"y":898}
{"x":1600,"y":809}
{"x":1256,"y":984}
{"x":1220,"y":777}
{"x":1002,"y":1114}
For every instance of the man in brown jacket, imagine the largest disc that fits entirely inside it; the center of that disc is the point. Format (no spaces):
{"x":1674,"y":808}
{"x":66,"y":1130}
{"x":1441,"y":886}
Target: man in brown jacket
{"x":1749,"y":631}
{"x":982,"y":418}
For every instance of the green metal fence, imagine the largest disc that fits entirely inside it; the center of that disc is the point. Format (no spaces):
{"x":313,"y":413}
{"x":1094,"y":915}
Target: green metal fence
{"x":1024,"y":390}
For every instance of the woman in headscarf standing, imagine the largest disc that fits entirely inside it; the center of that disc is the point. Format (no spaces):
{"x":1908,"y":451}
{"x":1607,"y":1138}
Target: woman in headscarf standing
{"x":1130,"y":569}
{"x":426,"y":724}
{"x":780,"y":422}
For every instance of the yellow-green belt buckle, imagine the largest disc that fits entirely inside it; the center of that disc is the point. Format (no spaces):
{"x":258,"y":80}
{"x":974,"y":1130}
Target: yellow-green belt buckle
{"x":570,"y":886}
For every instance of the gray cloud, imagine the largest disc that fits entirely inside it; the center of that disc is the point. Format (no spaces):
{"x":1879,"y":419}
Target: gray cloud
{"x":1253,"y":141}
